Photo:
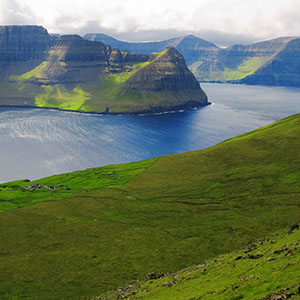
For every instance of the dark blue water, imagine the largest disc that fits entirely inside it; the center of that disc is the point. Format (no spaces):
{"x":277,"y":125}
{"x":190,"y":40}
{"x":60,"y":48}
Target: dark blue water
{"x":35,"y":143}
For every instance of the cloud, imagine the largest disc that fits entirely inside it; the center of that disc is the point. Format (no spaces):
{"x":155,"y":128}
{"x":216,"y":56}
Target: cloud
{"x":14,"y":13}
{"x":223,"y":22}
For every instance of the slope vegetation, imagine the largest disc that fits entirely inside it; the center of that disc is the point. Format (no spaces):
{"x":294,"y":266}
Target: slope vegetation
{"x":264,"y":269}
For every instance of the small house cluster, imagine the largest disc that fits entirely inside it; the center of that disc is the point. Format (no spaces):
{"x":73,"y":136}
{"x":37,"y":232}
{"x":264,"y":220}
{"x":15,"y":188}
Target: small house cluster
{"x":34,"y":187}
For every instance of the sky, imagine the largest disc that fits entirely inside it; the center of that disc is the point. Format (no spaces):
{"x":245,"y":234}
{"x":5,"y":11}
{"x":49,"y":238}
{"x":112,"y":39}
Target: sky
{"x":224,"y":22}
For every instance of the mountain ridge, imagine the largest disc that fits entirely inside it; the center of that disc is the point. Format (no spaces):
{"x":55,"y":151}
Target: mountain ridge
{"x":235,"y":64}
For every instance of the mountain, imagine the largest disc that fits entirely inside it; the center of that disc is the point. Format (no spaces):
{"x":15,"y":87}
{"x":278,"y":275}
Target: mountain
{"x":68,"y":72}
{"x":144,"y":48}
{"x":273,"y":62}
{"x":191,"y":47}
{"x":81,"y":234}
{"x":282,"y":69}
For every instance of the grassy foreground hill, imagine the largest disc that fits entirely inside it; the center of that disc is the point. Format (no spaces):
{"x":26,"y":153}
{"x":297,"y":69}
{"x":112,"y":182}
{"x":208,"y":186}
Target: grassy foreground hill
{"x":265,"y":269}
{"x":78,"y":235}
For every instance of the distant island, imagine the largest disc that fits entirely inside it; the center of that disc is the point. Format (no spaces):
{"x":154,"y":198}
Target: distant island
{"x":274,"y":63}
{"x":71,"y":73}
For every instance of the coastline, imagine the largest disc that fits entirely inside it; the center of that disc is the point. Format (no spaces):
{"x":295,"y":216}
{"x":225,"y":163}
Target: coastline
{"x":190,"y":105}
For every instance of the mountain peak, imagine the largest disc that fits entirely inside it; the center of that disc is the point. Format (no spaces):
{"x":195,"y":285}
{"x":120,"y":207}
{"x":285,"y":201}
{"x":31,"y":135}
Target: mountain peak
{"x":195,"y":41}
{"x":167,"y":71}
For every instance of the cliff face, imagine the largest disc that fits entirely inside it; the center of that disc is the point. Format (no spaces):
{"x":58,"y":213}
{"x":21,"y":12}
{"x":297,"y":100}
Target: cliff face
{"x":22,"y":48}
{"x":71,"y":60}
{"x":167,"y":72}
{"x":274,"y":62}
{"x":283,"y":69}
{"x":69,"y":72}
{"x":22,"y":43}
{"x":72,"y":48}
{"x":167,"y":79}
{"x":237,"y":62}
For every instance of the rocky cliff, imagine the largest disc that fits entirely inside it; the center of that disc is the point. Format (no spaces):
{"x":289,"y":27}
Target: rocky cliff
{"x":22,"y":43}
{"x":22,"y":48}
{"x":273,"y":62}
{"x":72,"y":73}
{"x":167,"y":78}
{"x":282,"y":69}
{"x":167,"y":72}
{"x":238,"y":63}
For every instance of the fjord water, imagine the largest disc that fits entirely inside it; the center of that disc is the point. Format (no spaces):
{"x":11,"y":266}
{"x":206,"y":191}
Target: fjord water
{"x":35,"y":143}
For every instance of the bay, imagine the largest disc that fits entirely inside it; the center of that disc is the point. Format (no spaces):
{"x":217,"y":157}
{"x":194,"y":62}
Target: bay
{"x":35,"y":143}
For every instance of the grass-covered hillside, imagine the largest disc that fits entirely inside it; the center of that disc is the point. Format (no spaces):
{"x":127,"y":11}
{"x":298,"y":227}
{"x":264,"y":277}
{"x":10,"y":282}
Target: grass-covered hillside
{"x":79,"y":235}
{"x":264,"y":269}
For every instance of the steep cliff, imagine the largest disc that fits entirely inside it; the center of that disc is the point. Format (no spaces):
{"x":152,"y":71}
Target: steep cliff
{"x":235,"y":63}
{"x":273,"y":62}
{"x":72,"y":73}
{"x":166,"y":78}
{"x":22,"y":48}
{"x":283,"y":69}
{"x":22,"y":43}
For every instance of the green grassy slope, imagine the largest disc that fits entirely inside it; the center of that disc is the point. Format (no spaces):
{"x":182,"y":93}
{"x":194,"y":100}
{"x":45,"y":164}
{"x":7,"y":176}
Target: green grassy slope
{"x":181,"y":210}
{"x":101,"y":92}
{"x":234,"y":70}
{"x":17,"y":194}
{"x":264,"y":268}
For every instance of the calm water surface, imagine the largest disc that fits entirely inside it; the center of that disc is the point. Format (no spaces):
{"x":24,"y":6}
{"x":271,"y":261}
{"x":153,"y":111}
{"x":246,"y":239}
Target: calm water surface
{"x":35,"y":143}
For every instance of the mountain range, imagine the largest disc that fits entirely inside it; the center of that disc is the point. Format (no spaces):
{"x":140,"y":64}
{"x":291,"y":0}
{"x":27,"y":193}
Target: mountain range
{"x":71,"y":73}
{"x":272,"y":62}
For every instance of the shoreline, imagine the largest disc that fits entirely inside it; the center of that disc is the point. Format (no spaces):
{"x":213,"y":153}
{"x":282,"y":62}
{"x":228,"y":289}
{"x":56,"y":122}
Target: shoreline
{"x":154,"y":111}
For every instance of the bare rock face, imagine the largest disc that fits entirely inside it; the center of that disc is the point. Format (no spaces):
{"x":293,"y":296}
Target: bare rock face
{"x":129,"y":57}
{"x":23,"y":43}
{"x":115,"y":61}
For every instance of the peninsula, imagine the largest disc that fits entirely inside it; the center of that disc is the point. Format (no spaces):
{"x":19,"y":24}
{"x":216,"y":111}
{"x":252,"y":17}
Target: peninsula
{"x":71,"y":73}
